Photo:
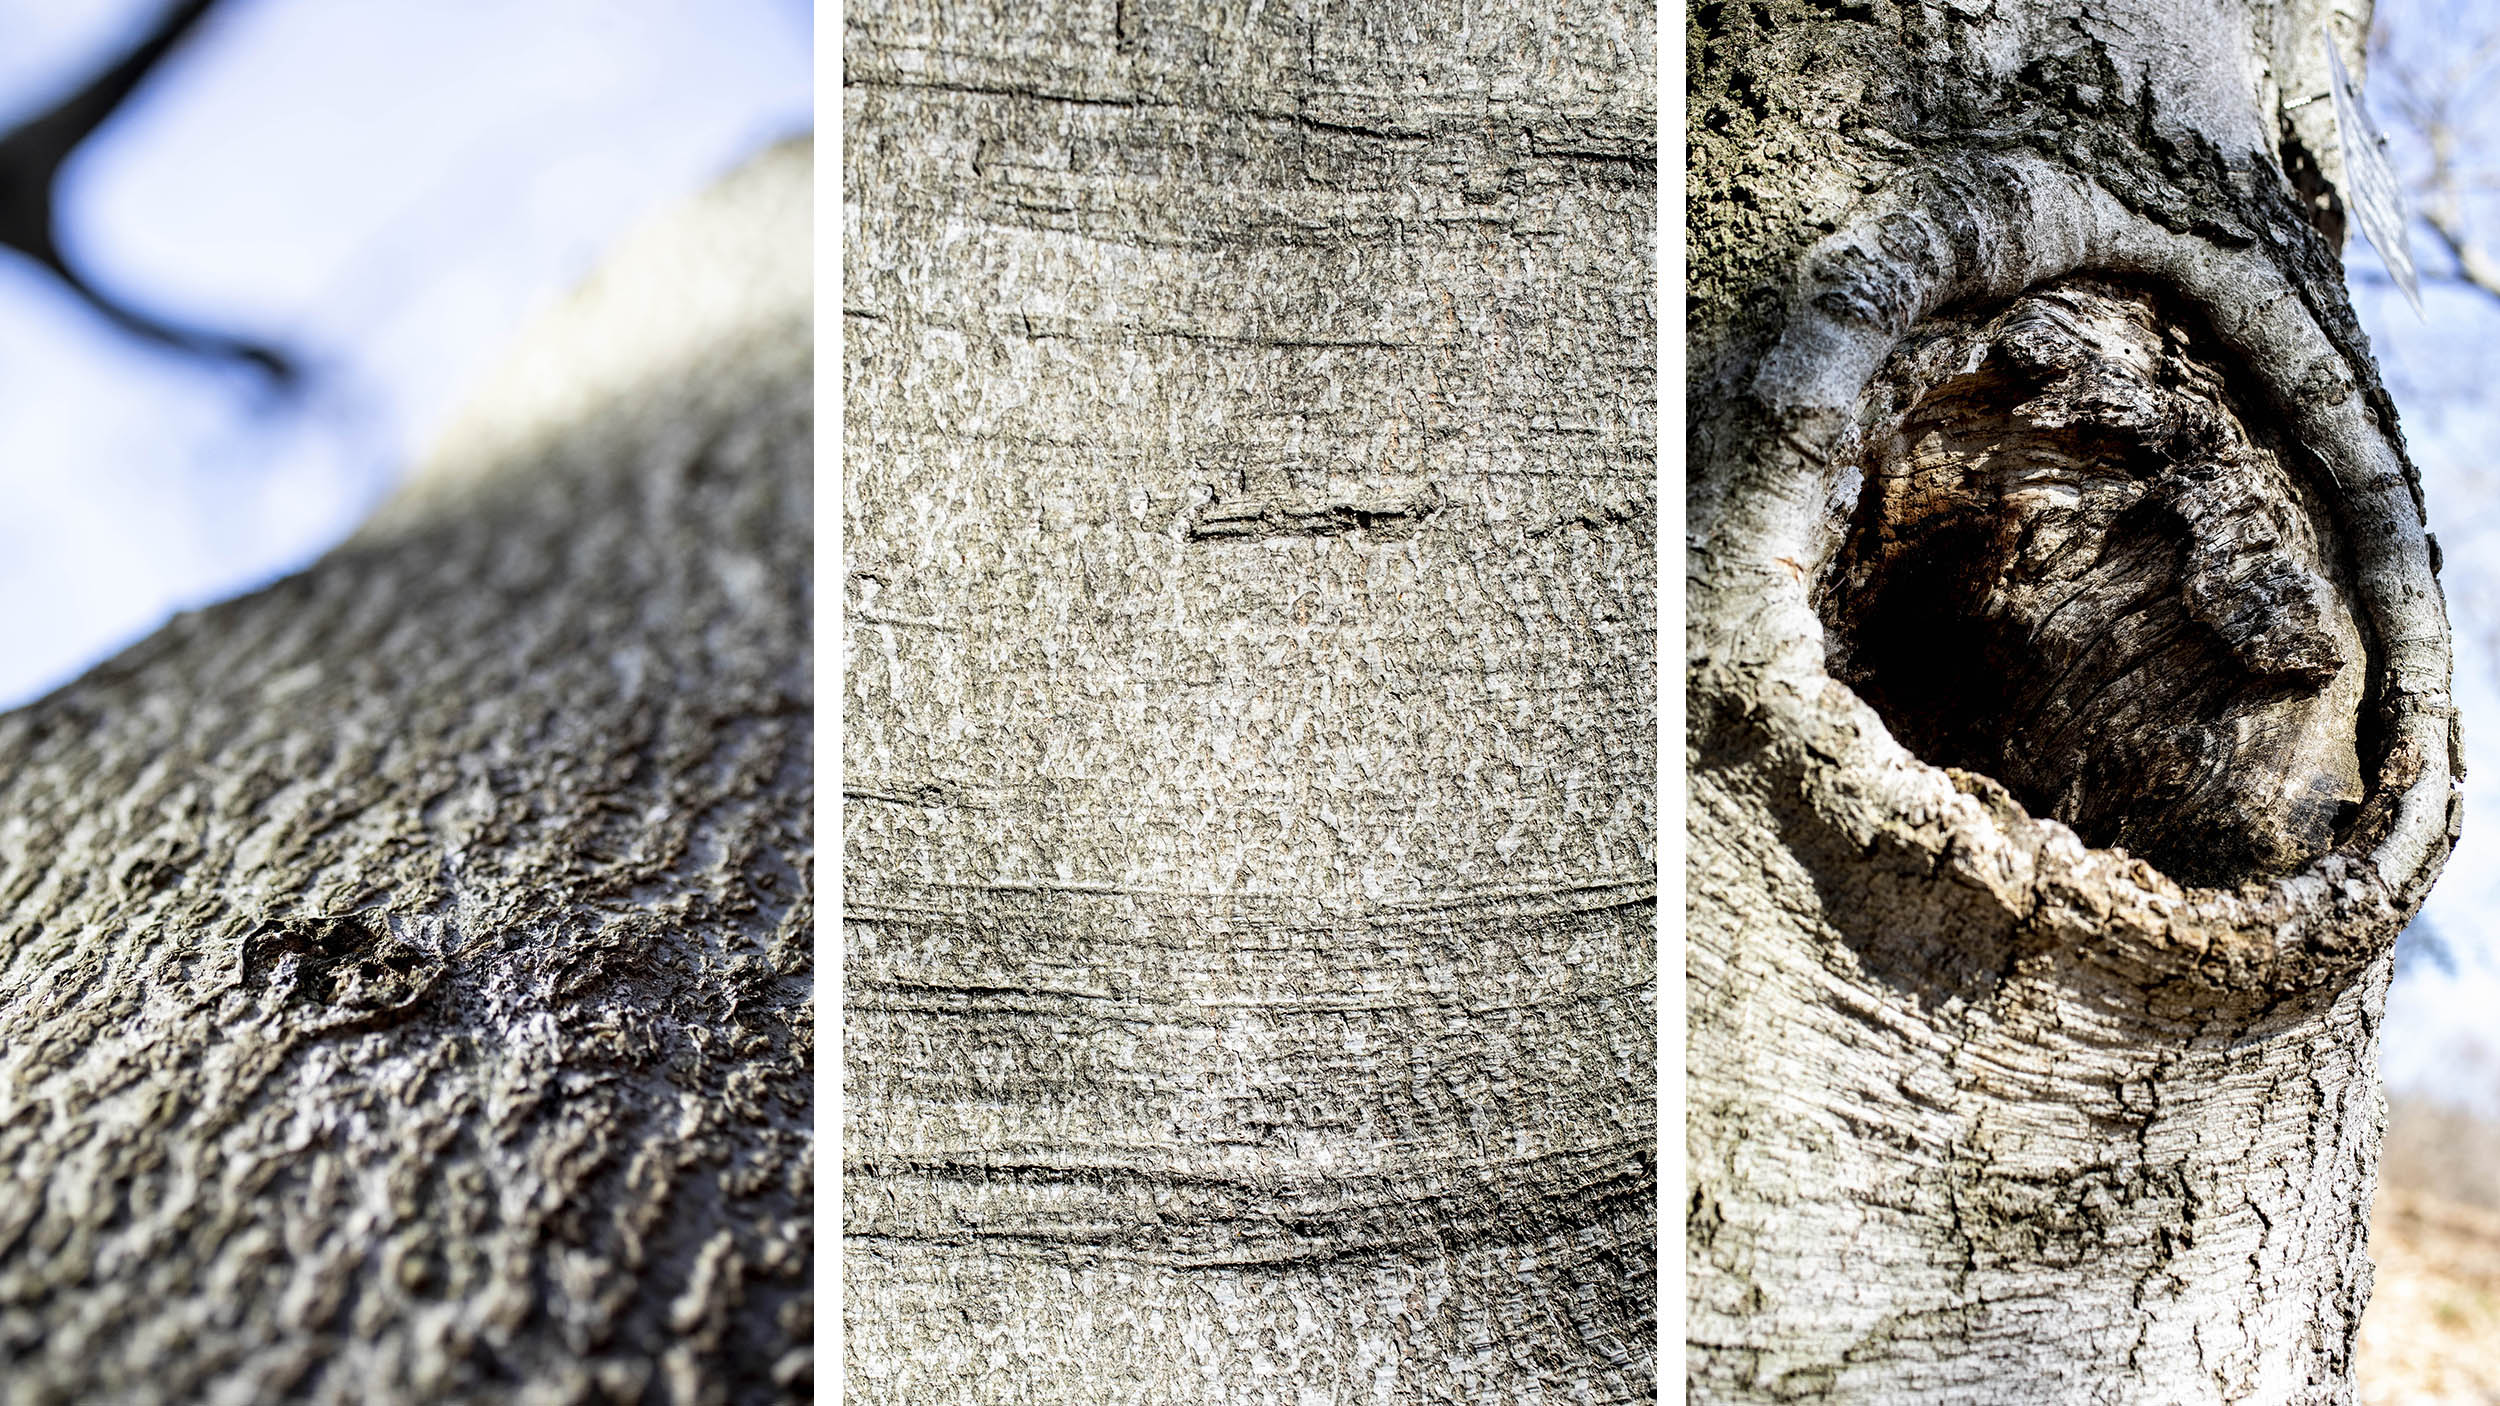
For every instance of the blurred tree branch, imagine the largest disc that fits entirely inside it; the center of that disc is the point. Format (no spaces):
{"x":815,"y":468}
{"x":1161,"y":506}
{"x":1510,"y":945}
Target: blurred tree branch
{"x":31,"y":158}
{"x":2428,"y":103}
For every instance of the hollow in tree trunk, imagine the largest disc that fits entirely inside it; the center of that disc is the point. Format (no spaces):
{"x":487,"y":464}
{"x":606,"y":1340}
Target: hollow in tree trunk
{"x":2070,"y":732}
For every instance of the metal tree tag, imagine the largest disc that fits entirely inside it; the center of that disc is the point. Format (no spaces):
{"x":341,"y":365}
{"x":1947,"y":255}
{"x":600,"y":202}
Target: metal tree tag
{"x":2376,"y":201}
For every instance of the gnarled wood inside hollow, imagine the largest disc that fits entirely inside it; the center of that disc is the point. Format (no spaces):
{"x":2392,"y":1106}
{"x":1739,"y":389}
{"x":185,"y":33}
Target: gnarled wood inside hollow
{"x":2082,"y":563}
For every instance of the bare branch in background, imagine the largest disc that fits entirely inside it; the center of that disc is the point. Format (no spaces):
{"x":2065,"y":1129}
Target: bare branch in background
{"x":31,"y":158}
{"x":2428,"y":103}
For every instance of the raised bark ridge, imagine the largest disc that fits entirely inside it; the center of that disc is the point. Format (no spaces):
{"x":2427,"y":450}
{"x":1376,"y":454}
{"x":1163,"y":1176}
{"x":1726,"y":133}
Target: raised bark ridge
{"x":404,"y":969}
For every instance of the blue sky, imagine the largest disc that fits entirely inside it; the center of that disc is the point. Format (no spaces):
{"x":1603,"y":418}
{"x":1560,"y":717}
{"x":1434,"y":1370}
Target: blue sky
{"x":2444,"y":1022}
{"x":2442,"y":1034}
{"x":387,"y":188}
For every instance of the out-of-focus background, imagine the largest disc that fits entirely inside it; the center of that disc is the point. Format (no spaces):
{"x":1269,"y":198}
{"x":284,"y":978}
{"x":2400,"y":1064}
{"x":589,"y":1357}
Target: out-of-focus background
{"x":2432,"y":1331}
{"x":382,"y":189}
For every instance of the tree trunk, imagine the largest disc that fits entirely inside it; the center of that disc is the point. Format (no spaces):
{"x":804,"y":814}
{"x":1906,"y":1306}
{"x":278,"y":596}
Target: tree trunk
{"x":2070,"y":732}
{"x":404,"y":969}
{"x":1249,"y":821}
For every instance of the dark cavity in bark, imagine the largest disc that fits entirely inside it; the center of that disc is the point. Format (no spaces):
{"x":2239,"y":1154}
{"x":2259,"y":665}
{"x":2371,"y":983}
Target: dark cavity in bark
{"x":2082,"y":563}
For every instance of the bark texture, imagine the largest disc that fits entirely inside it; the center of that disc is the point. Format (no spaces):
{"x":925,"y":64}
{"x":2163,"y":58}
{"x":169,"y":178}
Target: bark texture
{"x":404,"y":969}
{"x":1249,"y":819}
{"x":2043,"y":497}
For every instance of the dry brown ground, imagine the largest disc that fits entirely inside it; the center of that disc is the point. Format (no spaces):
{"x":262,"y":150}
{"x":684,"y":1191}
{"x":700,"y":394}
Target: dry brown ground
{"x":2431,"y":1336}
{"x":2432,"y":1333}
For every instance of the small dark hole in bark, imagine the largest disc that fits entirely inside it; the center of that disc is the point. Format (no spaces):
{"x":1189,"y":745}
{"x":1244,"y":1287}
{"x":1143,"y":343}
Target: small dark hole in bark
{"x":2320,"y":203}
{"x":2081,"y":567}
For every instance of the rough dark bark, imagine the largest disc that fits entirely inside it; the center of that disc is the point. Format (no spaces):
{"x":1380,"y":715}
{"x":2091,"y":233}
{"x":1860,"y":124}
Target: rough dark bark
{"x":404,"y":969}
{"x":2043,"y":497}
{"x":1250,"y":824}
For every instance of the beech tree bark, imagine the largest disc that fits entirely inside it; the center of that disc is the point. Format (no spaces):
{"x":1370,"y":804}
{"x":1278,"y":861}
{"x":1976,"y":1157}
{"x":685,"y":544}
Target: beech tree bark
{"x":404,"y":969}
{"x":1249,"y":814}
{"x":2070,"y":732}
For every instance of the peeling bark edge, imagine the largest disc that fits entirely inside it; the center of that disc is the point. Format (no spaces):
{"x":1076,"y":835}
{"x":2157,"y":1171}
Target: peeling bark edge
{"x":1988,"y":227}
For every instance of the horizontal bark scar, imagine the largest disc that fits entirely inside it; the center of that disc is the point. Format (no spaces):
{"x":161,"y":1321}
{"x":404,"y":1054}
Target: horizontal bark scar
{"x":1257,"y":514}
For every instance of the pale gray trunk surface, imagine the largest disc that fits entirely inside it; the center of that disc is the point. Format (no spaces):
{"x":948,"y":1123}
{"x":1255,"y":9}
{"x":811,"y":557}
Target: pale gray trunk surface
{"x":404,"y":969}
{"x":1250,"y":828}
{"x":2070,"y":730}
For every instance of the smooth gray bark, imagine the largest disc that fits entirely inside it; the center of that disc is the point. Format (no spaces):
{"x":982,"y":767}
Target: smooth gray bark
{"x":404,"y":969}
{"x":1250,"y":822}
{"x":2019,"y":357}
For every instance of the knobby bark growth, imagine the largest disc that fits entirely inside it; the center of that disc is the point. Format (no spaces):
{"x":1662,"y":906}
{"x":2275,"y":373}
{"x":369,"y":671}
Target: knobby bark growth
{"x":1249,"y":816}
{"x":2070,"y":729}
{"x":404,"y":969}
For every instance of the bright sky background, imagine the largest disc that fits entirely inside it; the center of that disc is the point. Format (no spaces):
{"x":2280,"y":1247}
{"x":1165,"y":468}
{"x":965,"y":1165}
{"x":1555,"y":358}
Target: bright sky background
{"x":386,"y":188}
{"x":2442,"y":1034}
